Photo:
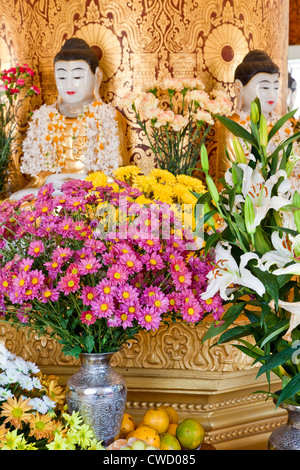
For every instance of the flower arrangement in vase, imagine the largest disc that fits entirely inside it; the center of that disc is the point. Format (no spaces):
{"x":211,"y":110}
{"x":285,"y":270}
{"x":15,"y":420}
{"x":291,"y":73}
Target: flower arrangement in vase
{"x":14,"y":83}
{"x":32,"y":411}
{"x":257,"y":250}
{"x":176,"y":117}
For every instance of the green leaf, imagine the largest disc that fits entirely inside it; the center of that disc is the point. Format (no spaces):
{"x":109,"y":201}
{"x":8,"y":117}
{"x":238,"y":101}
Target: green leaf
{"x":275,"y":331}
{"x":229,"y":317}
{"x":290,"y":389}
{"x":275,"y":360}
{"x":280,"y":123}
{"x":237,"y":130}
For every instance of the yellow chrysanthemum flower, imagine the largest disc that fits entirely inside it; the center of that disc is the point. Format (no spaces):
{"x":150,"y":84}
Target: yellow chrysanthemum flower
{"x":98,"y":178}
{"x":41,"y":426}
{"x":58,"y":443}
{"x":123,"y":173}
{"x":163,"y":175}
{"x":16,"y":411}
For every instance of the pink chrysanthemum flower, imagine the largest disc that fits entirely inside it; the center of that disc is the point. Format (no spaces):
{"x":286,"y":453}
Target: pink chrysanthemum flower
{"x":69,"y":283}
{"x":97,"y":246}
{"x":117,"y":274}
{"x":65,"y":228}
{"x":49,"y":293}
{"x":36,"y":278}
{"x":131,"y":263}
{"x":150,"y":244}
{"x":131,"y":308}
{"x":88,"y":317}
{"x":191,"y":311}
{"x":36,"y":248}
{"x":149,"y":319}
{"x":174,"y":301}
{"x":103,"y":307}
{"x":211,"y":304}
{"x":54,"y":267}
{"x":159,"y":302}
{"x":89,"y":265}
{"x":73,"y":269}
{"x":181,"y":280}
{"x":26,"y":264}
{"x":127,"y":293}
{"x":83,"y":253}
{"x":64,"y":253}
{"x":89,"y":294}
{"x":20,"y":282}
{"x":125,"y":318}
{"x":105,"y":287}
{"x":149,"y":292}
{"x":123,"y":248}
{"x":153,"y":261}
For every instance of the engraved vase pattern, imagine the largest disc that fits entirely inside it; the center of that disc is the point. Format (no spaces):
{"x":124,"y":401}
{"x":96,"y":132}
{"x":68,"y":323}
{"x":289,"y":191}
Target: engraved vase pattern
{"x":287,"y":437}
{"x":99,"y":394}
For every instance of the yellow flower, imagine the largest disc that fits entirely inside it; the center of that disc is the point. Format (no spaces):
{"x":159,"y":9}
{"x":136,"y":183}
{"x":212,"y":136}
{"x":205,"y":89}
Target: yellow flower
{"x":16,"y":411}
{"x":163,"y":192}
{"x":98,"y":178}
{"x":41,"y":426}
{"x":163,"y":175}
{"x":143,"y":200}
{"x":194,"y":184}
{"x":124,"y":172}
{"x":53,"y":390}
{"x":12,"y":440}
{"x":58,"y":443}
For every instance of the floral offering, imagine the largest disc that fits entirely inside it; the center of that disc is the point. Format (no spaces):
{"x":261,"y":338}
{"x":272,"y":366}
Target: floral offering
{"x":32,"y":415}
{"x":176,"y":117}
{"x":93,"y":267}
{"x":256,"y":269}
{"x":13,"y":83}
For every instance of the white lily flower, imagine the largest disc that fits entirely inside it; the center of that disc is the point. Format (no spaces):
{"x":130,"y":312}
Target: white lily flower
{"x":260,"y":191}
{"x":227,"y":273}
{"x":292,"y":269}
{"x":287,"y":248}
{"x":294,"y":309}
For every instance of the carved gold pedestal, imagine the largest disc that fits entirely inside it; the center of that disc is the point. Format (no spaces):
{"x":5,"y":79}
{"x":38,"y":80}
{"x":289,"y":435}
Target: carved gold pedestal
{"x":171,"y":366}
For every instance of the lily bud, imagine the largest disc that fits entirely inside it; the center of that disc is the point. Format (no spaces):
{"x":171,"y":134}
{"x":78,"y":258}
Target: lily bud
{"x":239,"y":151}
{"x":254,"y":113}
{"x":263,"y":131}
{"x":296,"y":202}
{"x":210,"y":222}
{"x":249,"y":215}
{"x":212,"y":188}
{"x":204,"y":158}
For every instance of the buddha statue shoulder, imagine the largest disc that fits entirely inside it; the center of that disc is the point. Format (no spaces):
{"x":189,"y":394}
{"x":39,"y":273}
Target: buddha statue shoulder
{"x":78,"y":134}
{"x":256,"y":77}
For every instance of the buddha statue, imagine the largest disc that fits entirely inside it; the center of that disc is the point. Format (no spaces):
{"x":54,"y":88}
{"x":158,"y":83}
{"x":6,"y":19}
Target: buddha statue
{"x":257,"y":76}
{"x":78,"y":134}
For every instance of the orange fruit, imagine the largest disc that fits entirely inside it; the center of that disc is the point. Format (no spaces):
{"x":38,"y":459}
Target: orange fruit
{"x":127,"y":426}
{"x":117,"y":444}
{"x":169,"y":442}
{"x":147,"y":434}
{"x":190,"y":433}
{"x":172,"y":429}
{"x":172,"y":413}
{"x":157,"y":418}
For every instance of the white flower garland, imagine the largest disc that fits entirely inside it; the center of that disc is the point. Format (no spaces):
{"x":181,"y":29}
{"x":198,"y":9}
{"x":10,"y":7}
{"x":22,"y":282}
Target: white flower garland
{"x":43,"y":150}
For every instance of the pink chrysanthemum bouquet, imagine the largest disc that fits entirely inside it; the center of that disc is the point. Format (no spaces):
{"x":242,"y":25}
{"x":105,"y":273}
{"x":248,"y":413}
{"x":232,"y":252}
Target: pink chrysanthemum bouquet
{"x":92,"y":267}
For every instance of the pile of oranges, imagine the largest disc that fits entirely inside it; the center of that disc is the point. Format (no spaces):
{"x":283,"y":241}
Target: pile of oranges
{"x":160,"y":428}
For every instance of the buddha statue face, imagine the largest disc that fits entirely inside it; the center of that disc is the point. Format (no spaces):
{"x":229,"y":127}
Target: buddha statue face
{"x":78,"y":76}
{"x":257,"y":76}
{"x":75,"y":81}
{"x":264,"y":86}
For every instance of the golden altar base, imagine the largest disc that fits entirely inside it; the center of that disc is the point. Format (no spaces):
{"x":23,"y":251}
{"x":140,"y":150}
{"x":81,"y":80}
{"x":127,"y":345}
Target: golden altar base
{"x":171,"y":366}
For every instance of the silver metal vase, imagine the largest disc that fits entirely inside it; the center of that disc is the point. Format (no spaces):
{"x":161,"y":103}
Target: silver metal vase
{"x":99,"y":394}
{"x":287,"y":437}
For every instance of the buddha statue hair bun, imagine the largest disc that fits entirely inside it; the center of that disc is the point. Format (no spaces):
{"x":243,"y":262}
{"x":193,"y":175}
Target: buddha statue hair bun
{"x":77,"y":49}
{"x":254,"y":62}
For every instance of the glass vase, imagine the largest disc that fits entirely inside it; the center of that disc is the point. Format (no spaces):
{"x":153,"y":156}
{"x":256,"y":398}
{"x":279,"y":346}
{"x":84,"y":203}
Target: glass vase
{"x":99,"y":394}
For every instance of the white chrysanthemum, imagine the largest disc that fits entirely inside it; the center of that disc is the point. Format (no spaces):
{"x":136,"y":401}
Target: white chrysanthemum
{"x":5,"y":394}
{"x":41,"y":405}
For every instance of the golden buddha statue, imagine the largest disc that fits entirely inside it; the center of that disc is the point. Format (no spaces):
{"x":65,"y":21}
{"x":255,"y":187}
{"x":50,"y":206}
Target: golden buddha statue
{"x":256,"y":76}
{"x":77,"y":135}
